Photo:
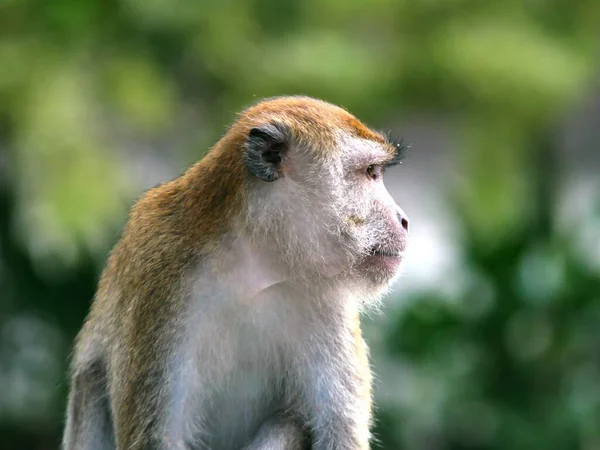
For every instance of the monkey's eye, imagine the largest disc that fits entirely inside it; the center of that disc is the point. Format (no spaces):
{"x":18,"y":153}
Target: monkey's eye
{"x":373,"y":172}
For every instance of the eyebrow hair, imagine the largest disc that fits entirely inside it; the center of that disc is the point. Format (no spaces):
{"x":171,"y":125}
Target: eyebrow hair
{"x":399,"y":149}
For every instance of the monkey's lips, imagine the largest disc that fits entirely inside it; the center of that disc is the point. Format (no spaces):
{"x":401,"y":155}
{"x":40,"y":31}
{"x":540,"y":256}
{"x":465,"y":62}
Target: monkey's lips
{"x":384,"y":259}
{"x":386,"y":253}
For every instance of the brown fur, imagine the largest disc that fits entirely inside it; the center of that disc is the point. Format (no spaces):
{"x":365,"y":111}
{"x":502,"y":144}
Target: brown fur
{"x":312,"y":120}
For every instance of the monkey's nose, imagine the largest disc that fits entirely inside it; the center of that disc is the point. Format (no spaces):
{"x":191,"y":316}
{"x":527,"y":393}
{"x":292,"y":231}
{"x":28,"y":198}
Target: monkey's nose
{"x":402,"y":218}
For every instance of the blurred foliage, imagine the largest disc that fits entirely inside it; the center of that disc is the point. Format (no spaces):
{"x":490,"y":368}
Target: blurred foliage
{"x":510,"y":362}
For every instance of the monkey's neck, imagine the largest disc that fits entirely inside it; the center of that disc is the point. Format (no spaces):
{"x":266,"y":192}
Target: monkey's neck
{"x":246,"y":268}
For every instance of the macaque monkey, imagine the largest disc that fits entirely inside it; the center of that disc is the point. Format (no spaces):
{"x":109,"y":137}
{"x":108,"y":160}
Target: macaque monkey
{"x":227,"y":316}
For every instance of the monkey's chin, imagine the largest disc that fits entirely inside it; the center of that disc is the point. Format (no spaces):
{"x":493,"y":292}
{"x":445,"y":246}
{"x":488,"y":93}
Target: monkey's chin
{"x":380,"y":269}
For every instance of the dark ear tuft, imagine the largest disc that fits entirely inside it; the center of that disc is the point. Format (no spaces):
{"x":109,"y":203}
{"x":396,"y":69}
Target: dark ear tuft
{"x":265,"y":148}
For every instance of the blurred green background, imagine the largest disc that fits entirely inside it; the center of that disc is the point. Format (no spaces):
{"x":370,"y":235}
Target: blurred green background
{"x":491,"y":338}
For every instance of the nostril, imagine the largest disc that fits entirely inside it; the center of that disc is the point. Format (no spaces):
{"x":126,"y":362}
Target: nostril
{"x":403,"y":222}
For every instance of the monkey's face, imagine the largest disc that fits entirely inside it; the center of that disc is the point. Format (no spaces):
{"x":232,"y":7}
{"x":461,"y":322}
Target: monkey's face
{"x":374,"y":232}
{"x":329,"y":213}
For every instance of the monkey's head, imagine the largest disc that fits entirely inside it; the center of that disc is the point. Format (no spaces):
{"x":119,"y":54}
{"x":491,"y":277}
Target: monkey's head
{"x":316,"y":193}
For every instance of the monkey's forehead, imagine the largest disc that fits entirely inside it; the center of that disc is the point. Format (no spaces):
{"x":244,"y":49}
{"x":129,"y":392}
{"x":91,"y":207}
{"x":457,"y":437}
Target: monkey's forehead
{"x":311,"y":119}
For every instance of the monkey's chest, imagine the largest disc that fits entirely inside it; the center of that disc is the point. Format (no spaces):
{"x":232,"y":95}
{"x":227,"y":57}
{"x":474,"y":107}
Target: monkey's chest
{"x":235,"y":415}
{"x":245,"y":393}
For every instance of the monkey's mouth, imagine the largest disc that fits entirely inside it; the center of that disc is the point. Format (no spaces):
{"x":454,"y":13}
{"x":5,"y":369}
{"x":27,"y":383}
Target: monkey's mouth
{"x":385,"y":252}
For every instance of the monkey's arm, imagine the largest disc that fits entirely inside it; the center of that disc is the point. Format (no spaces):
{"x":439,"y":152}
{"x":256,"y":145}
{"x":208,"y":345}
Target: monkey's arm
{"x":341,"y":395}
{"x":150,"y":388}
{"x":88,"y":424}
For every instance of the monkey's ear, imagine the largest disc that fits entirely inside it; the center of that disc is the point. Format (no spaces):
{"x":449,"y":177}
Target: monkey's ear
{"x":265,"y":149}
